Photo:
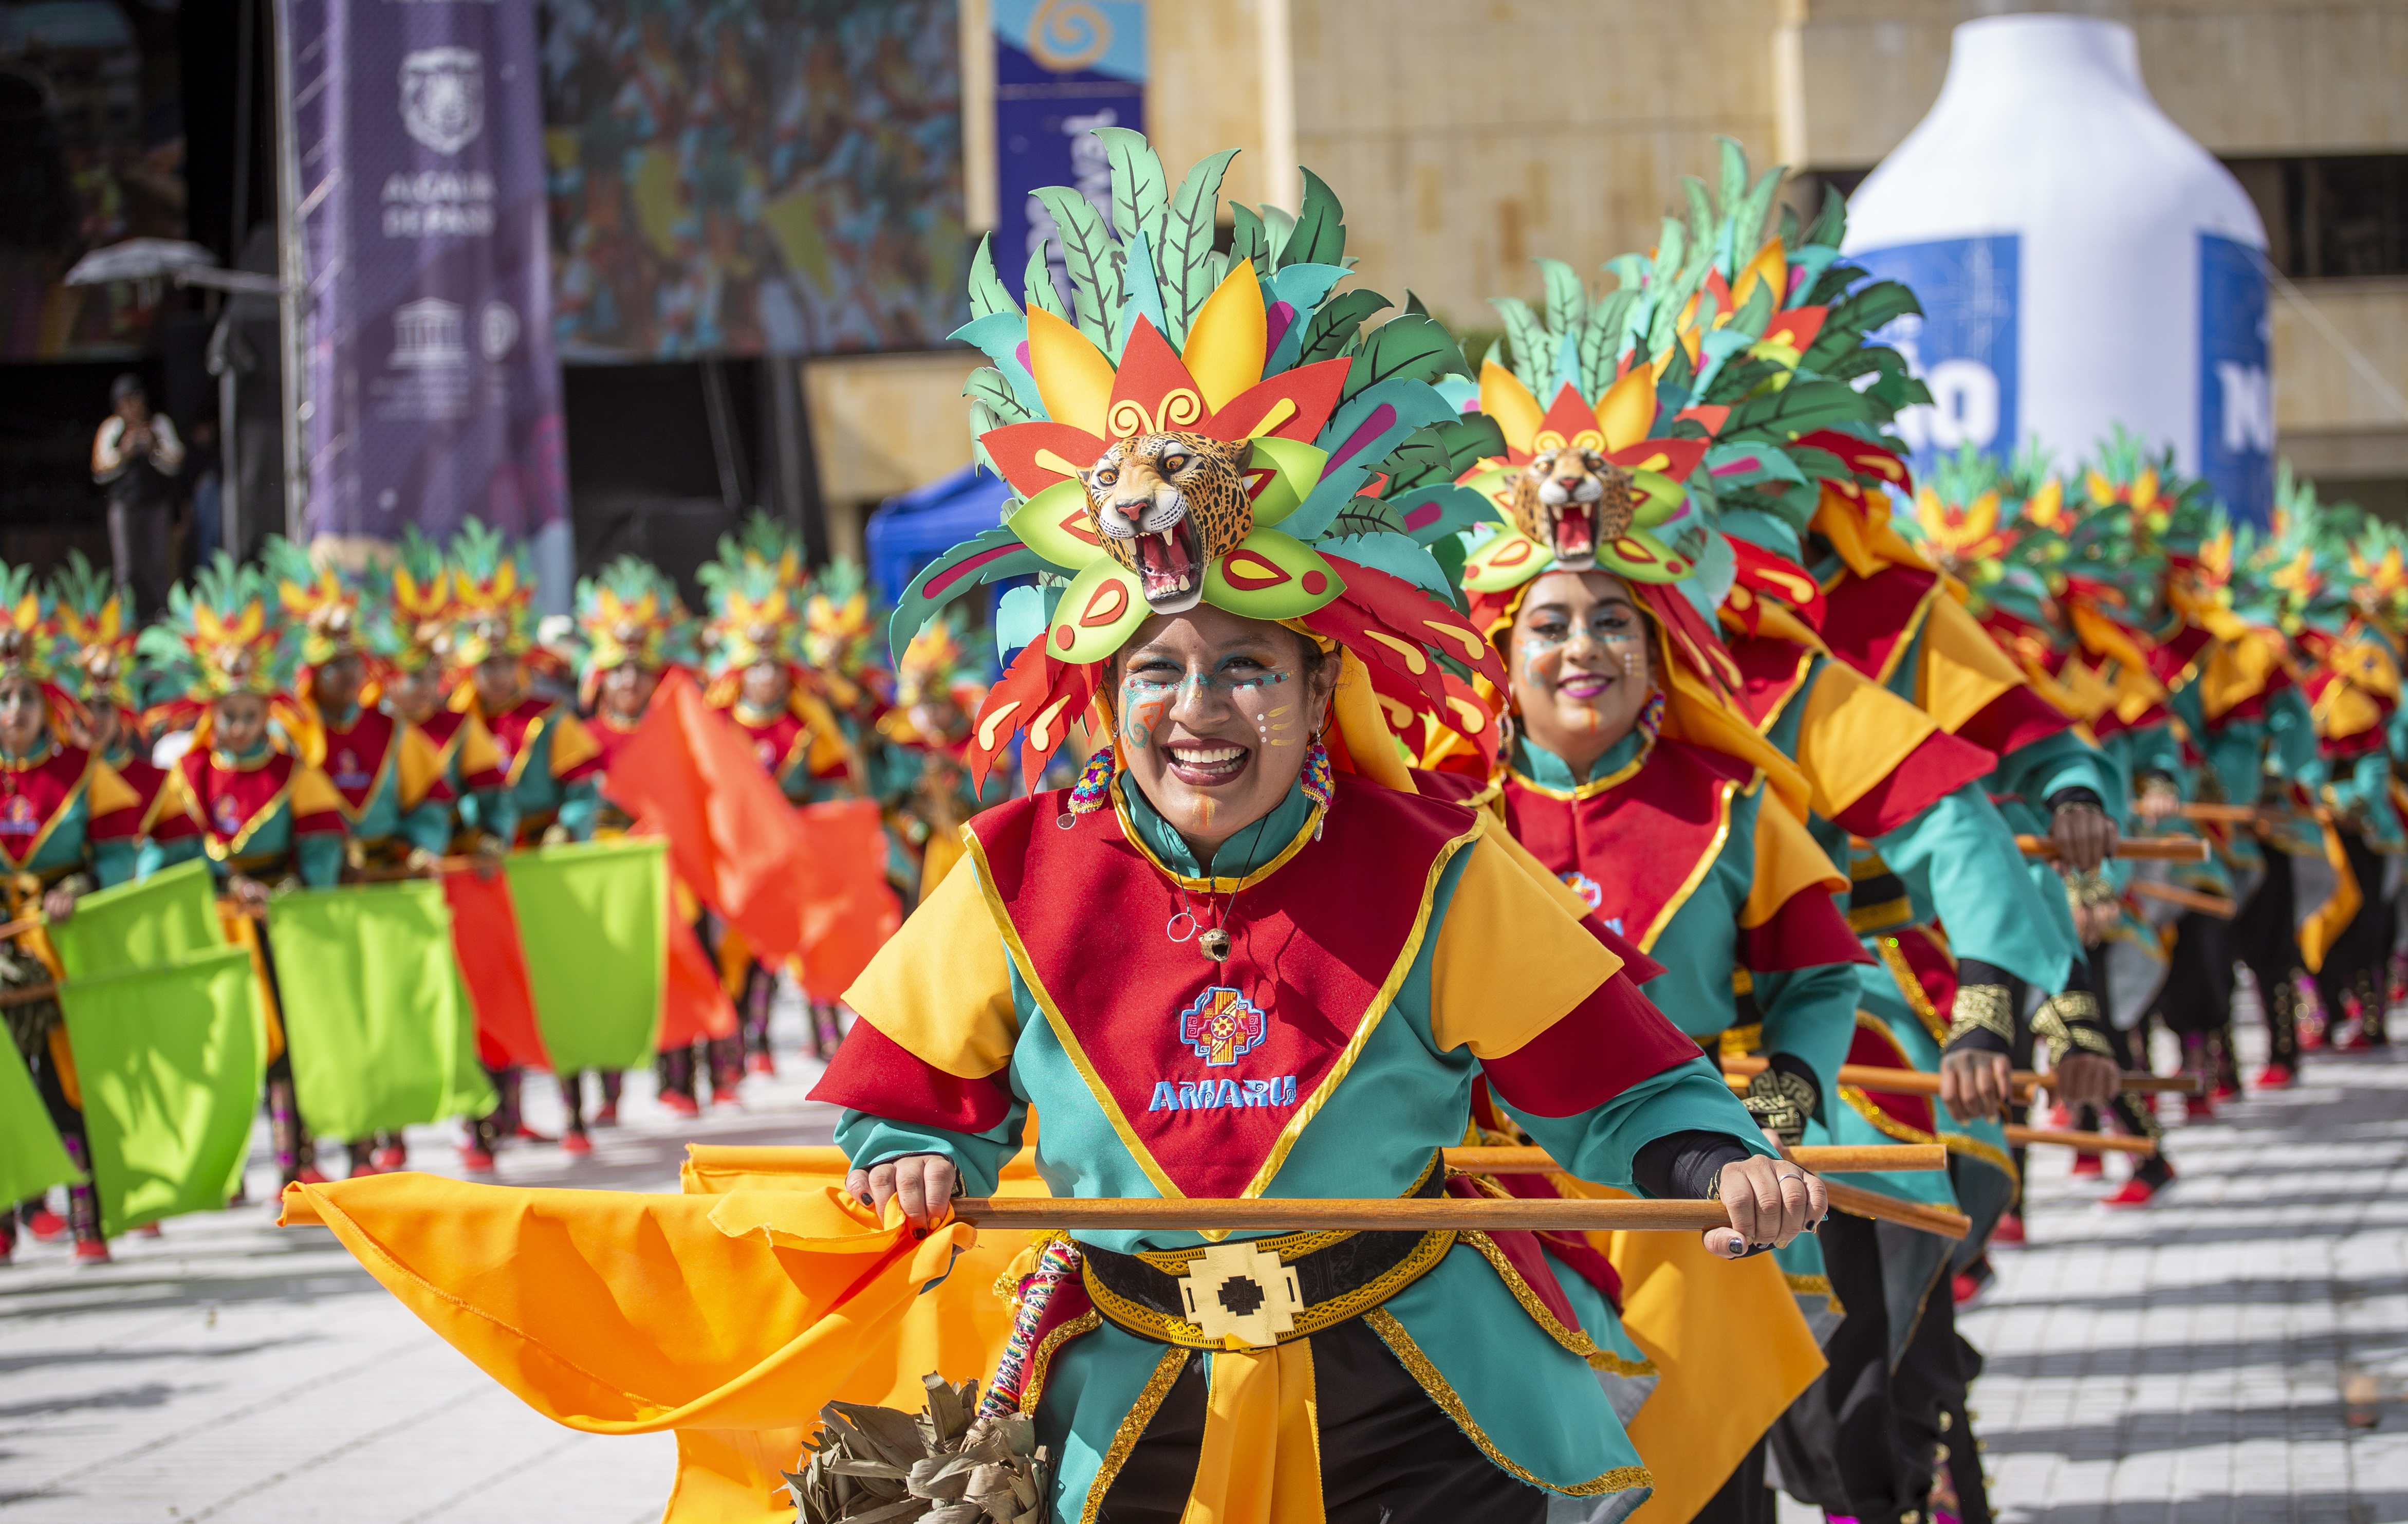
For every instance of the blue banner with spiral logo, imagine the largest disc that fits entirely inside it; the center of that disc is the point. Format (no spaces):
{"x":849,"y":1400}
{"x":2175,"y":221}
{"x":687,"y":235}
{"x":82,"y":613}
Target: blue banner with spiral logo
{"x":1061,"y":69}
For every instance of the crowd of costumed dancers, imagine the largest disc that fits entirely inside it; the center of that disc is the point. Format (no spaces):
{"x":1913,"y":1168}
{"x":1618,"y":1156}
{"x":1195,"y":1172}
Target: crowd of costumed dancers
{"x":300,"y":726}
{"x":1536,"y":904}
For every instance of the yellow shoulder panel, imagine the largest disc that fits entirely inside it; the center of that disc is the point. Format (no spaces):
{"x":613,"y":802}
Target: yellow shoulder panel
{"x":571,"y":742}
{"x":475,"y":748}
{"x":109,"y":791}
{"x":1963,"y":668}
{"x":420,"y":764}
{"x":1788,"y":860}
{"x":311,"y":792}
{"x":1853,"y":735}
{"x":1511,"y":958}
{"x":941,"y":987}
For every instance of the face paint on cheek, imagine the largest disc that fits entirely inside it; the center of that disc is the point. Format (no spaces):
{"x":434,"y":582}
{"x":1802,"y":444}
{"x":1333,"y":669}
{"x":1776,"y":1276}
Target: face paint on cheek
{"x":1140,"y":717}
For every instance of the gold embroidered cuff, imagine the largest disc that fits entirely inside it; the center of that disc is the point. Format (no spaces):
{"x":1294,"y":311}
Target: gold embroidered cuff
{"x":1982,"y":1008}
{"x":1781,"y":1104}
{"x":2070,"y":1021}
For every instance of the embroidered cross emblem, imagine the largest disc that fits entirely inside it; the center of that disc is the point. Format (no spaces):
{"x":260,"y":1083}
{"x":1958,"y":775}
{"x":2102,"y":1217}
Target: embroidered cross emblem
{"x":1222,"y":1025}
{"x":1239,"y":1292}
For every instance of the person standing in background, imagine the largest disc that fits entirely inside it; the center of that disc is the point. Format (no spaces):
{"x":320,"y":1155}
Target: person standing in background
{"x":136,"y":455}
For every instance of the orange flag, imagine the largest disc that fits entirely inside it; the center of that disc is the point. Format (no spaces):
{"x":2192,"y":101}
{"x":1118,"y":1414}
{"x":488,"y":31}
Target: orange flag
{"x":844,"y":930}
{"x":693,"y":1003}
{"x":733,"y":837}
{"x":485,"y":940}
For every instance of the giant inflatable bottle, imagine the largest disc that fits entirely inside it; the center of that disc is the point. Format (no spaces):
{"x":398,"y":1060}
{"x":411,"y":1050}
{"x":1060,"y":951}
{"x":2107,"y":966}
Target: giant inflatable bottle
{"x":2080,"y":261}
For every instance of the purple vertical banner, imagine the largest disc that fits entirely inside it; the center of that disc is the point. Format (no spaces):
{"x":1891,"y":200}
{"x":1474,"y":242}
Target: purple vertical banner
{"x":1061,"y":69}
{"x":432,"y":391}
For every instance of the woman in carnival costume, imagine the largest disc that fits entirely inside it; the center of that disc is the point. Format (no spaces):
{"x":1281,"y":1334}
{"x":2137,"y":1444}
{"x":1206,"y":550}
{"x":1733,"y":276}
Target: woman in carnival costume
{"x":926,"y":784}
{"x":549,"y":762}
{"x":263,"y":816}
{"x":96,"y":668}
{"x":1632,"y":772}
{"x":789,"y":714}
{"x":1315,"y":965}
{"x":69,"y":824}
{"x":412,"y":618}
{"x":630,"y":628}
{"x":395,"y":801}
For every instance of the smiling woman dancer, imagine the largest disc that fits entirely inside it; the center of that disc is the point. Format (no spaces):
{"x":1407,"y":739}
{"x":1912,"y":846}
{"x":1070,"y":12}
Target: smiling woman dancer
{"x":1244,"y":958}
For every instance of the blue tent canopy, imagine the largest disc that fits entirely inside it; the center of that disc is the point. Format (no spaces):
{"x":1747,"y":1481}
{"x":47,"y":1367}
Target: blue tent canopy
{"x":906,"y":533}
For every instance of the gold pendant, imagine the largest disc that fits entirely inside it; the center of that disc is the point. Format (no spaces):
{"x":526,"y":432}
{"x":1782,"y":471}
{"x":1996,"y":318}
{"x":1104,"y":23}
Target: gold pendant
{"x":1214,"y":944}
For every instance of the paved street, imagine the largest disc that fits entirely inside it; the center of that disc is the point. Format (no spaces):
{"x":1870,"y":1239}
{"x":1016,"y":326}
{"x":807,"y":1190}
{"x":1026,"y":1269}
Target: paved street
{"x":2237,"y":1353}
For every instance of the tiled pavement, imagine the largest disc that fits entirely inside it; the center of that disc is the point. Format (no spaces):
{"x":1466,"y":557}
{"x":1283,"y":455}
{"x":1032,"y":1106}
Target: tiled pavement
{"x":2239,"y":1353}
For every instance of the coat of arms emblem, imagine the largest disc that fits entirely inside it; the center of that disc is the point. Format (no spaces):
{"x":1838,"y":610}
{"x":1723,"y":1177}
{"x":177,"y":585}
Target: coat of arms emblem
{"x":443,"y":97}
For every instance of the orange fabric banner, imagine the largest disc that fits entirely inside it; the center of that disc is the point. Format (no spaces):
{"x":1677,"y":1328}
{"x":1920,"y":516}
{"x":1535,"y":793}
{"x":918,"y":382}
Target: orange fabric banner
{"x":688,"y":775}
{"x":693,"y":1004}
{"x":844,"y":927}
{"x":485,"y":940}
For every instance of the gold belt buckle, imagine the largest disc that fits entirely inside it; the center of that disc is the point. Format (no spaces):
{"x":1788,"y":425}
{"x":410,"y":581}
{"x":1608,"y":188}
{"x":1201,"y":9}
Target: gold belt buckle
{"x":1238,"y":1291}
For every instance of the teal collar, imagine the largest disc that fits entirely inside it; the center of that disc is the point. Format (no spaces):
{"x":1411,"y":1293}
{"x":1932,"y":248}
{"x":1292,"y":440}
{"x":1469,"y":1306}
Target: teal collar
{"x":1240,"y":854}
{"x":1545,"y":769}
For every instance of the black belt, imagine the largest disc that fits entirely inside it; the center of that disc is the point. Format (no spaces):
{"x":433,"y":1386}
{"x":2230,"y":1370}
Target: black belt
{"x":1204,"y":1298}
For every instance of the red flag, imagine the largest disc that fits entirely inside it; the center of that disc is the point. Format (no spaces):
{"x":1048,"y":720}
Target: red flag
{"x":843,"y":930}
{"x":693,"y":1004}
{"x":485,"y":940}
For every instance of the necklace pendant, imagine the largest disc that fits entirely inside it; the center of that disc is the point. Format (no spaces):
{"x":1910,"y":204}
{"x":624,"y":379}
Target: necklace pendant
{"x":1214,"y":944}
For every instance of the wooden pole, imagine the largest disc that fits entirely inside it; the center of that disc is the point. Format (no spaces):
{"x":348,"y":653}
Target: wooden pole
{"x":1914,"y":1081}
{"x":28,"y":995}
{"x":1874,"y":1159}
{"x":2223,"y":814}
{"x":2174,"y":893}
{"x":1857,"y":1202}
{"x":2089,"y":1143}
{"x":1308,"y":1213}
{"x":2163,"y":849}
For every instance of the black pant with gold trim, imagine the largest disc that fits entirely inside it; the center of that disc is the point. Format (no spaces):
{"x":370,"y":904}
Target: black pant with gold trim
{"x":1388,"y":1454}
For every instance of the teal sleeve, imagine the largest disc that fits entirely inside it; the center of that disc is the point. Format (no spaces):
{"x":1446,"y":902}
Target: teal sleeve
{"x":2291,"y":751}
{"x":113,"y":862}
{"x":1810,"y":1014}
{"x":156,"y":855}
{"x":318,"y":859}
{"x":494,"y":812}
{"x":579,"y":802}
{"x":428,"y":828}
{"x":980,"y":1157}
{"x":1599,"y":1144}
{"x":2060,"y":761}
{"x":2155,"y":750}
{"x":1960,"y":864}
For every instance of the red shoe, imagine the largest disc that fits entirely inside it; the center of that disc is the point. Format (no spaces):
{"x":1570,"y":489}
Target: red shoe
{"x":724,"y":1095}
{"x":2275,"y":1078}
{"x":46,"y":1225}
{"x":2135,"y":1192}
{"x":363,"y":1169}
{"x":2089,"y":1165}
{"x":2354,"y":1040}
{"x":2199,"y":1109}
{"x":1967,"y":1288}
{"x":2009,"y":1229}
{"x":679,"y":1103}
{"x":2225,"y":1090}
{"x":149,"y":1230}
{"x":607,"y":1116}
{"x":390,"y":1159}
{"x":92,"y":1251}
{"x":528,"y":1135}
{"x":310,"y":1176}
{"x":475,"y":1160}
{"x":760,"y":1063}
{"x":577,"y":1144}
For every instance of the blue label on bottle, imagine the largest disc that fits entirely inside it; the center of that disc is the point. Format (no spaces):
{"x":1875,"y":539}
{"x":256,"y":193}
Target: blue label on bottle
{"x":2236,"y":396}
{"x":1962,"y":346}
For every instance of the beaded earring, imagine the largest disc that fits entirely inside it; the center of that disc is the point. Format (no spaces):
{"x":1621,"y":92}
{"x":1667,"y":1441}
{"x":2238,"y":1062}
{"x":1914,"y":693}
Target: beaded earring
{"x":1317,"y":781}
{"x":1094,"y":789}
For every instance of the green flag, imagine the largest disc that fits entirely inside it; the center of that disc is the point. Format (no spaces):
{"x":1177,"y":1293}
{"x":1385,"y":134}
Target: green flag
{"x":32,"y":1158}
{"x":376,"y":1019}
{"x":166,"y":917}
{"x":593,"y":919}
{"x":169,"y":1062}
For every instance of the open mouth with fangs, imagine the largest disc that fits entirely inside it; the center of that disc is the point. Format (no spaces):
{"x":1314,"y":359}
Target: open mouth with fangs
{"x":1575,"y":535}
{"x":1170,"y":564}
